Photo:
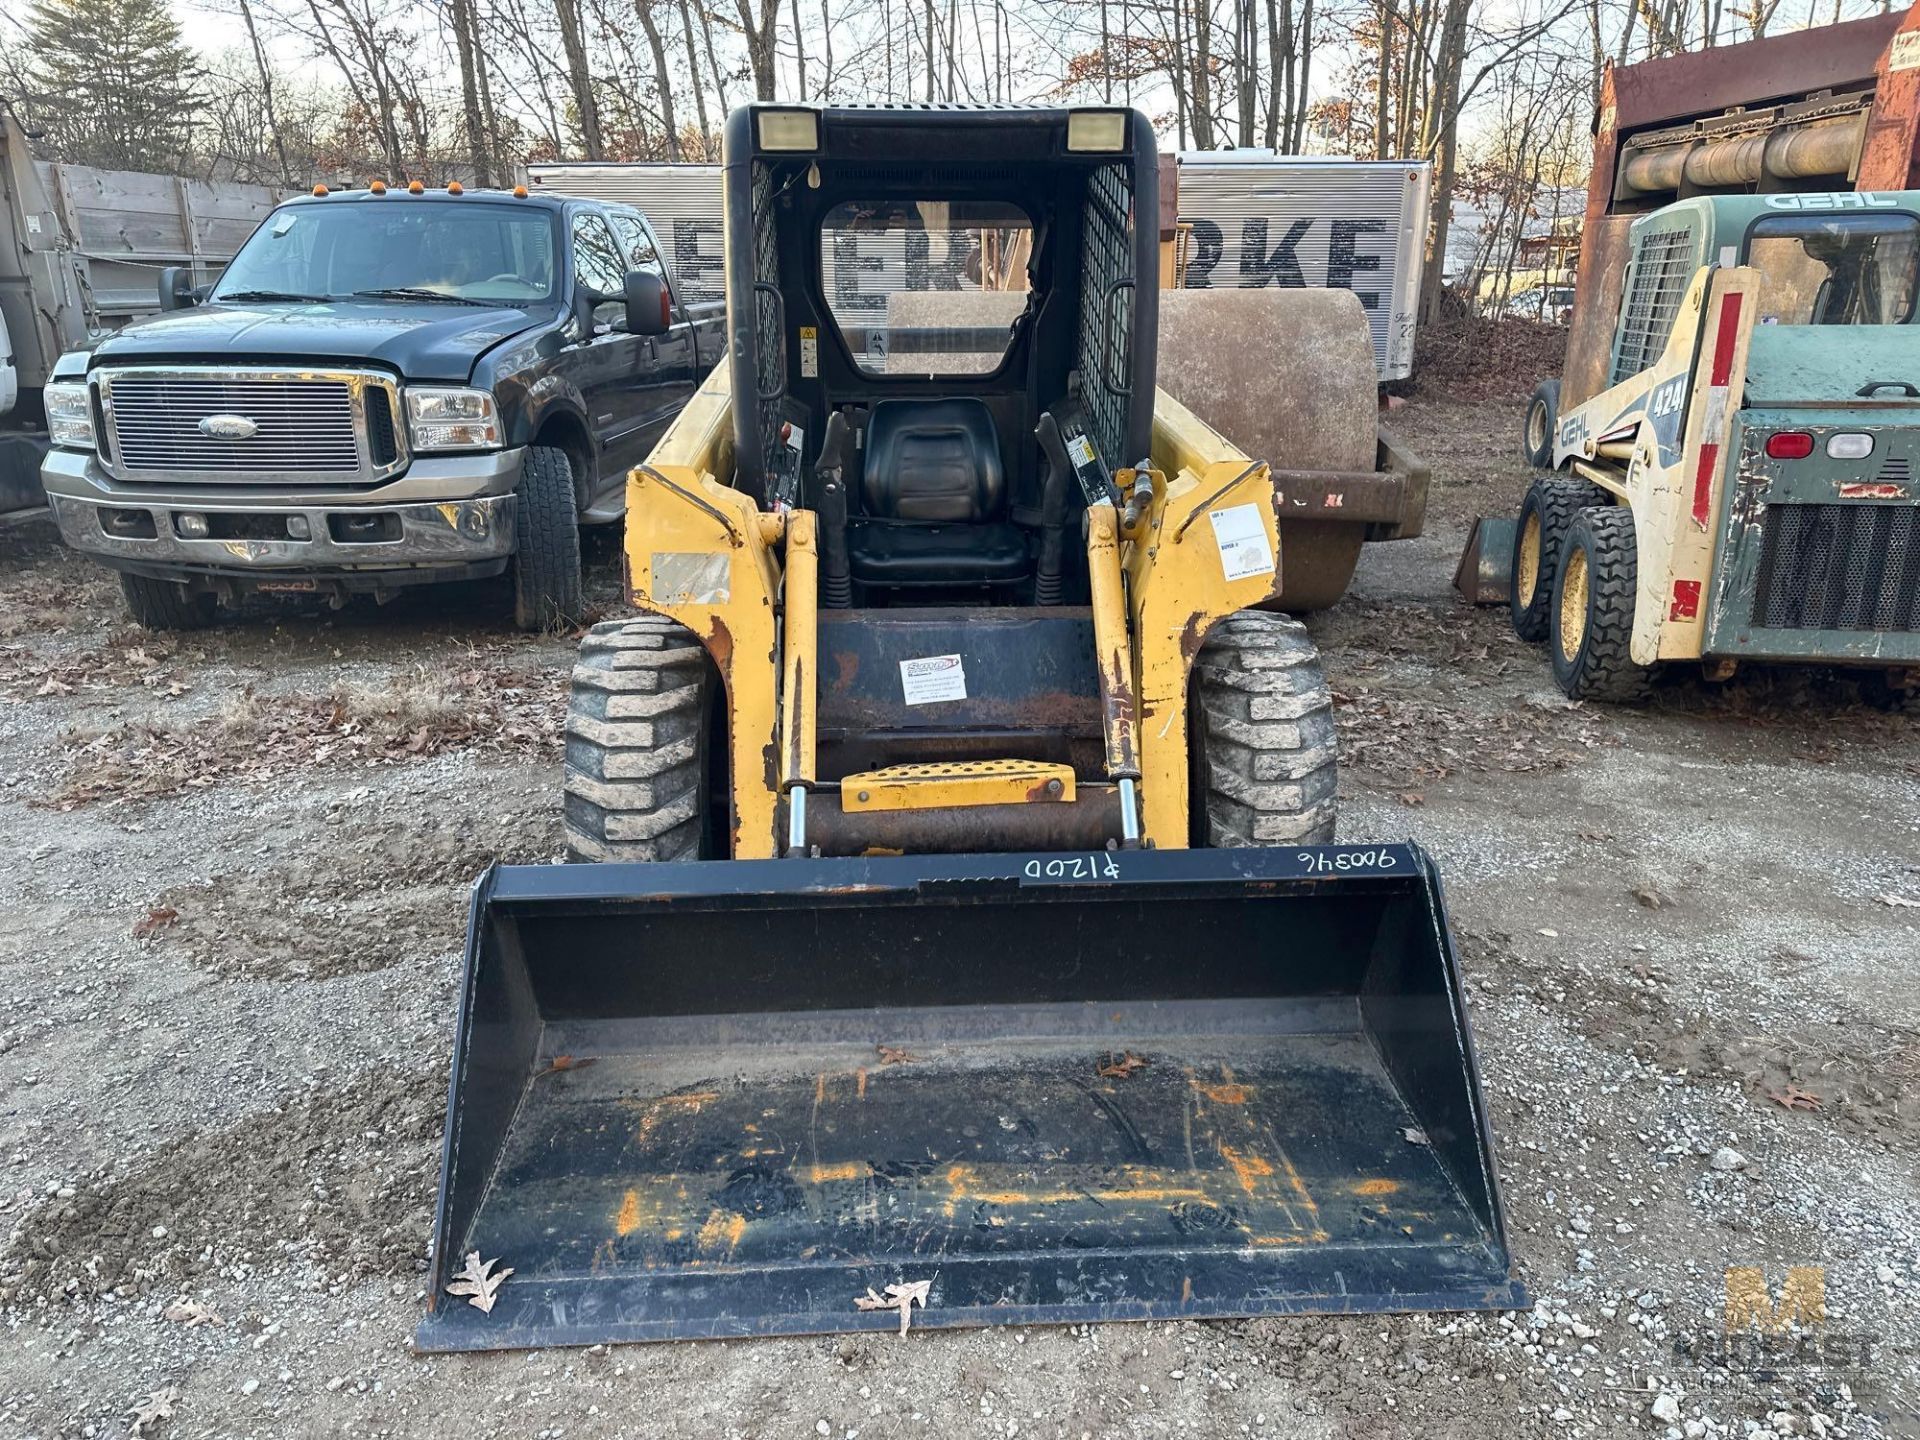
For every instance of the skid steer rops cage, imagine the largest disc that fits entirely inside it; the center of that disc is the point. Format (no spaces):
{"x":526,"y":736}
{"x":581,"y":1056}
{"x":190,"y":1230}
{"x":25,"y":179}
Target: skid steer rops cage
{"x":930,"y":573}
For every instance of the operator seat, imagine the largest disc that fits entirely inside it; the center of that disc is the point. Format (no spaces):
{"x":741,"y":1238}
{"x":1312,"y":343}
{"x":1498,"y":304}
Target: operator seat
{"x":934,"y":489}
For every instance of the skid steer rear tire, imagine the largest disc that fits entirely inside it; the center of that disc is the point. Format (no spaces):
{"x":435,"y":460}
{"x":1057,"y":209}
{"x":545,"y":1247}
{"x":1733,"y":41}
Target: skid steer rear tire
{"x":1546,"y":515}
{"x":1594,"y":594}
{"x":167,"y":604}
{"x":1263,"y":757}
{"x":638,"y":721}
{"x":1542,"y":419}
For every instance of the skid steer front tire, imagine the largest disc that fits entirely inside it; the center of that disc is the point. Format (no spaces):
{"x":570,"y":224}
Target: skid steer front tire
{"x":167,"y":604}
{"x":638,"y":719}
{"x":1593,"y":610}
{"x":1263,"y":752}
{"x":1546,"y":515}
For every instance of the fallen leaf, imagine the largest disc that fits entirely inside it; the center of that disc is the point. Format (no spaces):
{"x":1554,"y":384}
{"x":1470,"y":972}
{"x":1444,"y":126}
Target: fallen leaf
{"x":1120,"y":1067}
{"x":562,"y":1063}
{"x":190,"y":1312}
{"x":1415,"y":1135}
{"x":477,"y":1282}
{"x":1899,"y":901}
{"x":157,"y":918}
{"x":898,"y":1297}
{"x":156,"y":1407}
{"x":1412,"y":797}
{"x":1794,"y":1098}
{"x":894,"y":1055}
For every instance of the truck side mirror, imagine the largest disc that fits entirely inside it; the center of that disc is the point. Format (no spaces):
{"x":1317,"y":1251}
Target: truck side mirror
{"x":649,"y":305}
{"x":176,"y":288}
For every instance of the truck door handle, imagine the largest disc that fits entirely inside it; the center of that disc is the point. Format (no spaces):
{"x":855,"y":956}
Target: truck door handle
{"x":1905,"y":387}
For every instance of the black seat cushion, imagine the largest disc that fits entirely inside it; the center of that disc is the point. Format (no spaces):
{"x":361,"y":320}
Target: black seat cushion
{"x":891,"y":553}
{"x":933,"y":460}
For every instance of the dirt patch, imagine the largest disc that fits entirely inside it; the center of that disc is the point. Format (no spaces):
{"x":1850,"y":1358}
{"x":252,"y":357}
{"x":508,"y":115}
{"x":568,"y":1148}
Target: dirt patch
{"x":1858,"y":1077}
{"x":1400,"y":742}
{"x":1467,"y":357}
{"x":131,"y":659}
{"x":338,"y":1180}
{"x":369,"y":896}
{"x":427,"y":711}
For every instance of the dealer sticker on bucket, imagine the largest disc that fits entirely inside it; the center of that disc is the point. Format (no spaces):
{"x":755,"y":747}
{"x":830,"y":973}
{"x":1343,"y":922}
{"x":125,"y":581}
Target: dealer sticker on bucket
{"x":933,"y":677}
{"x":1242,"y":538}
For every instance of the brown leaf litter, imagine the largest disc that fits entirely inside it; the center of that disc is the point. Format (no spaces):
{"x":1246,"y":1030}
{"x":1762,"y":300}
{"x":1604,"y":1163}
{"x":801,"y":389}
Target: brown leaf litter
{"x":429,"y":711}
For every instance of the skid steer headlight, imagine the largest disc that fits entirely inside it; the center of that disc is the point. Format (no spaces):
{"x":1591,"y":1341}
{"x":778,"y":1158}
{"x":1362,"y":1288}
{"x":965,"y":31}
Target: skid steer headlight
{"x":453,"y":418}
{"x":1849,"y":445}
{"x":1096,"y":131}
{"x":69,"y":414}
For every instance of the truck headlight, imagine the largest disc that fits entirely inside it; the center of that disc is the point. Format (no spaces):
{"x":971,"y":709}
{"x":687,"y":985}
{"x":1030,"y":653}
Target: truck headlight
{"x":453,"y":418}
{"x":69,"y":414}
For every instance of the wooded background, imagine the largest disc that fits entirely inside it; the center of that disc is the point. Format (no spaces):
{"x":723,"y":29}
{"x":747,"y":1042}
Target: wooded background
{"x":1497,"y":93}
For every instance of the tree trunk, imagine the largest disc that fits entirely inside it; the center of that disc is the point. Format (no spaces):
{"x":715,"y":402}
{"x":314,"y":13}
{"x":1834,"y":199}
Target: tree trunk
{"x":1384,"y":87}
{"x":460,"y":12}
{"x":699,"y":90}
{"x":1444,"y":125}
{"x":761,"y":57}
{"x":266,"y":92}
{"x":662,"y":77}
{"x":580,"y":77}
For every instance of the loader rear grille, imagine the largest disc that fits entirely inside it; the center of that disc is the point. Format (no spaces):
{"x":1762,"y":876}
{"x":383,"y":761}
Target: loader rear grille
{"x":1839,"y":567}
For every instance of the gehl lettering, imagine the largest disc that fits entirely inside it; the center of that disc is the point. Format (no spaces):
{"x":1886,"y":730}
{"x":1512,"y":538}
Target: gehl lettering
{"x":1260,"y":266}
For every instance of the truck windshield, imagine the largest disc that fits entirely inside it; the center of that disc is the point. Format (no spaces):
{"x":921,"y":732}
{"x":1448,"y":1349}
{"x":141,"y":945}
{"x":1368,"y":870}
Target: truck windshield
{"x":433,"y":252}
{"x":1836,"y":269}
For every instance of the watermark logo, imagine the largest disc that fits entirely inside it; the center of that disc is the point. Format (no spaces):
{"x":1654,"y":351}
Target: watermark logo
{"x":1765,"y":1330}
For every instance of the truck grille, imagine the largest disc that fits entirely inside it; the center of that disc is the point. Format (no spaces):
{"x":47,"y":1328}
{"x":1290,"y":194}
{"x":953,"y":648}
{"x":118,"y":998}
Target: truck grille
{"x":329,"y":426}
{"x":1839,"y":567}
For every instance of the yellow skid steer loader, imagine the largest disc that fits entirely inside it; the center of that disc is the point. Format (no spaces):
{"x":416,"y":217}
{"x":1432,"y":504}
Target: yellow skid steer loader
{"x":960,"y":911}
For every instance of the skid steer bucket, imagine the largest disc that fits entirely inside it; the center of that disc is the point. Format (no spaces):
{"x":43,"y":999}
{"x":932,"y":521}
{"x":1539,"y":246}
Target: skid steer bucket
{"x":727,"y":1099}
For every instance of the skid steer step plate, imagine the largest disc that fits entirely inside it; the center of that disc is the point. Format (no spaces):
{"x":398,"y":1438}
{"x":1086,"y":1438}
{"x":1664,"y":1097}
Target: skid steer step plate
{"x":725,"y":1099}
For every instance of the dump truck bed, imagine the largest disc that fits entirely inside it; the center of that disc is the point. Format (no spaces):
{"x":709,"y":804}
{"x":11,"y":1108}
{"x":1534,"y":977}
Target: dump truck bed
{"x":726,"y":1099}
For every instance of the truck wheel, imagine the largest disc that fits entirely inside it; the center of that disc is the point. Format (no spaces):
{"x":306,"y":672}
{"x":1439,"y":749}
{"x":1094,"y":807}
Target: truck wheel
{"x":639,"y":735}
{"x":167,"y":604}
{"x":1546,"y":515}
{"x":546,"y":557}
{"x":1536,"y":431}
{"x":1262,"y":767}
{"x":1593,"y":610}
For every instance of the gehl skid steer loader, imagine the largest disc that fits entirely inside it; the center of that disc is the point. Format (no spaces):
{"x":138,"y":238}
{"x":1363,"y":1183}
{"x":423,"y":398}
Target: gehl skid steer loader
{"x":1744,"y":490}
{"x":959,"y":915}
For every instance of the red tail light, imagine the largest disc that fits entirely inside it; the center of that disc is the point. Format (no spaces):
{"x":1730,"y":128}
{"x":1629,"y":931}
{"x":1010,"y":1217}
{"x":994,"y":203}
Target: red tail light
{"x":1789,"y":445}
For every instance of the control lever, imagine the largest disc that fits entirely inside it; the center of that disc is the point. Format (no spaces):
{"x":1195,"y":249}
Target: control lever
{"x":1053,"y":512}
{"x":836,"y":575}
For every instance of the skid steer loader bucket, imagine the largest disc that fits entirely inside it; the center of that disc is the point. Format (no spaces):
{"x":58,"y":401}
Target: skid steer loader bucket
{"x":708,"y":1100}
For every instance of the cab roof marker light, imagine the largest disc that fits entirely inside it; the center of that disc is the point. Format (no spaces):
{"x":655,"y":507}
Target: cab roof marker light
{"x":414,"y":187}
{"x":788,"y":130}
{"x":378,"y":187}
{"x":454,"y":187}
{"x":519,"y":192}
{"x":319,"y":190}
{"x":1096,"y":131}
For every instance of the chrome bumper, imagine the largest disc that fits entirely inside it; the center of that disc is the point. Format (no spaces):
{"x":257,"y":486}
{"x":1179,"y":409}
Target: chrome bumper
{"x":470,"y":518}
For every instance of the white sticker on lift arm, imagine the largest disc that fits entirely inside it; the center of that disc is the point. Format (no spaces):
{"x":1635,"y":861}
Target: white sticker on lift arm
{"x":1242,"y":537}
{"x":932,"y":678}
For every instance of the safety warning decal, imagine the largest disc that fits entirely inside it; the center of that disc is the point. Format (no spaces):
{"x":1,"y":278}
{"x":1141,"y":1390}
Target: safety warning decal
{"x":932,"y":678}
{"x":809,"y":352}
{"x":1242,"y":538}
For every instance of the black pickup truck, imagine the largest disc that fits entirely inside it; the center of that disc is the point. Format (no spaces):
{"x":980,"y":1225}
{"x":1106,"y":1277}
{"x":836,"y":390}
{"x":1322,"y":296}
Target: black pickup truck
{"x":386,"y":387}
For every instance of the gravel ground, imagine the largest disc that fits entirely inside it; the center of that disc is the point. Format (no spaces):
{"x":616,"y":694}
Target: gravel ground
{"x":226,"y":1012}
